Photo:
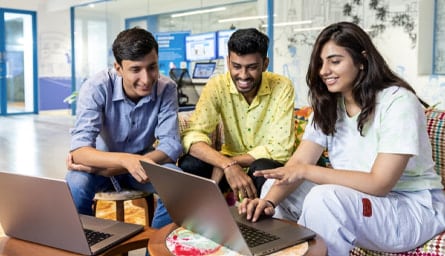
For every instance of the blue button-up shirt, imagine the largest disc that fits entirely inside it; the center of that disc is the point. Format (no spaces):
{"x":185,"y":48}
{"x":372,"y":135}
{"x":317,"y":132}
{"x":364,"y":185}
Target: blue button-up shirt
{"x":108,"y":120}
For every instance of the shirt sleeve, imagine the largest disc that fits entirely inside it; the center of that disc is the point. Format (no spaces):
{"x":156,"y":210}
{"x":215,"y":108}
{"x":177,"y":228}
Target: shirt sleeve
{"x":167,"y":130}
{"x":312,"y":133}
{"x":400,"y":111}
{"x":89,"y":114}
{"x":204,"y":118}
{"x":281,"y":136}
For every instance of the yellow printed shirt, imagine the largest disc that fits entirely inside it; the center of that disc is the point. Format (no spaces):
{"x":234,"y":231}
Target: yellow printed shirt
{"x":263,"y":129}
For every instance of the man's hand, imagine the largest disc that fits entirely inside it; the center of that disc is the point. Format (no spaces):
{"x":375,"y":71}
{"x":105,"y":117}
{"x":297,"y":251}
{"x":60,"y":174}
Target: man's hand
{"x":254,"y":208}
{"x":217,"y":174}
{"x":135,"y":168}
{"x":241,"y":184}
{"x":130,"y":164}
{"x":71,"y":166}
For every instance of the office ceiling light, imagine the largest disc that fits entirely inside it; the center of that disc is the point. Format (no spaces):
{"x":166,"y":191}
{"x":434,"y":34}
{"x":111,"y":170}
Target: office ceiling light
{"x":244,"y":18}
{"x":320,"y":28}
{"x":308,"y":29}
{"x":292,"y":23}
{"x":218,"y":9}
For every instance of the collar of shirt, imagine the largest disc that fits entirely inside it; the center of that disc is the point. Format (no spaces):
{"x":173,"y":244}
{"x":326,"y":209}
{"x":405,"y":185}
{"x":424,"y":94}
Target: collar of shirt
{"x":263,"y":90}
{"x":119,"y":94}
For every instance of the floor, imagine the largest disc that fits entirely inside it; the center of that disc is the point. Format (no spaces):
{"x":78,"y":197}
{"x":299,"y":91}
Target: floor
{"x":37,"y":145}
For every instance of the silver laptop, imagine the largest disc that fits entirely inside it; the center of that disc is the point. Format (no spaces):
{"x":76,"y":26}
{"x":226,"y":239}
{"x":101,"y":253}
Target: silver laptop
{"x":41,"y":210}
{"x":197,"y":204}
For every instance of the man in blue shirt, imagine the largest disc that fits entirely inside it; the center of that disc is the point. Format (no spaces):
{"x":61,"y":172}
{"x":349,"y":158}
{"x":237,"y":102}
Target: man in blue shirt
{"x":121,"y":113}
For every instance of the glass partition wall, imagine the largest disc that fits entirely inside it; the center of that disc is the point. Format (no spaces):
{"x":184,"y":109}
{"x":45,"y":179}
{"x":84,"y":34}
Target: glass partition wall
{"x":96,"y":25}
{"x":18,"y":62}
{"x":292,"y":26}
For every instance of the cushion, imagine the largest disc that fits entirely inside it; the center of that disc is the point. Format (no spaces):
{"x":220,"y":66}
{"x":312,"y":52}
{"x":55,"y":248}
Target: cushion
{"x":301,"y":120}
{"x":184,"y":120}
{"x":433,"y":247}
{"x":436,"y":132}
{"x":121,"y":196}
{"x":216,"y":137}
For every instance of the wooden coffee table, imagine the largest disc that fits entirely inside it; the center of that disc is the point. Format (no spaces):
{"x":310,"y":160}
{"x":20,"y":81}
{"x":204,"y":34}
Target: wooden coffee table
{"x":14,"y":247}
{"x":157,"y":243}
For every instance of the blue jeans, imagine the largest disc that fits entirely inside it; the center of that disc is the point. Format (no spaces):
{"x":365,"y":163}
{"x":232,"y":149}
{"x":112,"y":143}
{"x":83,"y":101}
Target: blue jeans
{"x":84,"y":186}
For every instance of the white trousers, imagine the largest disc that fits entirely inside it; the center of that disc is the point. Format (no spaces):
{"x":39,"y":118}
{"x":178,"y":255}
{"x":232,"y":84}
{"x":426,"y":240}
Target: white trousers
{"x":291,"y":207}
{"x":346,"y":218}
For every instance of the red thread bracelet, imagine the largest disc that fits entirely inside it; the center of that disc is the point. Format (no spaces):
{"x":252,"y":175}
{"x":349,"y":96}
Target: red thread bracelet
{"x":230,"y":164}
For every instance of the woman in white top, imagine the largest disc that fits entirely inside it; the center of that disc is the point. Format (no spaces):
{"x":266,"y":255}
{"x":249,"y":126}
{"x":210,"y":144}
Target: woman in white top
{"x":382,"y":192}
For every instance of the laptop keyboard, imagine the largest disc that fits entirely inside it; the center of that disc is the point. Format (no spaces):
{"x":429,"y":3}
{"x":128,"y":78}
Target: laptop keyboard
{"x":94,"y":237}
{"x":255,"y":237}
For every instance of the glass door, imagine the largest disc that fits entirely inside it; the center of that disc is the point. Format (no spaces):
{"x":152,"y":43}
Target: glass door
{"x":18,"y":62}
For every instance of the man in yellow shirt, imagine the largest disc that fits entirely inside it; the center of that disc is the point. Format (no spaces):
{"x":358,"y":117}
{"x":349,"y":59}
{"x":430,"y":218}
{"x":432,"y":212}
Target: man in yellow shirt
{"x":256,"y":109}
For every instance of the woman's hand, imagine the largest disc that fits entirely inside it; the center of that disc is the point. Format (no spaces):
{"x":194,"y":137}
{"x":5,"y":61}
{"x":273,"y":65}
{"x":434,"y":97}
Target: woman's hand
{"x":285,"y":175}
{"x":254,"y":208}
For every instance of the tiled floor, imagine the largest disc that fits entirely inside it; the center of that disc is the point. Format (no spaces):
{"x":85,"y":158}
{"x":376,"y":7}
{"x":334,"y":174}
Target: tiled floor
{"x":37,"y":145}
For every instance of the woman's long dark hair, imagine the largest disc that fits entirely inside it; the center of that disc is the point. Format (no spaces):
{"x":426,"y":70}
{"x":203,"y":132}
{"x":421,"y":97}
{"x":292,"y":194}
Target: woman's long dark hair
{"x":375,"y":76}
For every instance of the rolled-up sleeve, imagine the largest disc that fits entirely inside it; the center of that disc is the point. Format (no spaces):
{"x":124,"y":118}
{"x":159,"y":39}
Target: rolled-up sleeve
{"x":167,"y":130}
{"x":88,"y":122}
{"x":204,"y":118}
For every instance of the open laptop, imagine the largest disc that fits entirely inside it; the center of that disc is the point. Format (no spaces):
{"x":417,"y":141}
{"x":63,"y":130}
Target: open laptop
{"x":197,"y":204}
{"x":202,"y":72}
{"x":41,"y":210}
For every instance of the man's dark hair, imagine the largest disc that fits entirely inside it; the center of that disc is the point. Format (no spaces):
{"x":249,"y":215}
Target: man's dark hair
{"x":133,"y":44}
{"x":249,"y":40}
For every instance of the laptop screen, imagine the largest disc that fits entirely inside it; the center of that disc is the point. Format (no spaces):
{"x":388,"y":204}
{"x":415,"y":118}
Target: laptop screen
{"x":204,"y":70}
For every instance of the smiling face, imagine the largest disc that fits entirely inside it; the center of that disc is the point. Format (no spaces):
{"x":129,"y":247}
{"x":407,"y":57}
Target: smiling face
{"x":246,"y":72}
{"x":338,"y":70}
{"x":138,"y":77}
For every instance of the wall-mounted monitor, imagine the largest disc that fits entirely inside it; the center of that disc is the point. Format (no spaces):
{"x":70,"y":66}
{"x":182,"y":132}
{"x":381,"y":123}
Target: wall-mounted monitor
{"x":223,"y":36}
{"x":200,"y":46}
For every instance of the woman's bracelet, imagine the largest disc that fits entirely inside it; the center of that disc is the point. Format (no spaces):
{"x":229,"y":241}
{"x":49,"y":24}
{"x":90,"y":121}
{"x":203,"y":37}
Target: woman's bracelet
{"x":229,"y":164}
{"x":271,"y":203}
